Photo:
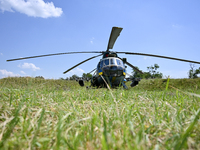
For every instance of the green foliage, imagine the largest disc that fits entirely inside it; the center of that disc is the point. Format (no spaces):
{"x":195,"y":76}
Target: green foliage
{"x":73,"y":77}
{"x":59,"y":114}
{"x":160,"y":84}
{"x":193,"y":73}
{"x":39,"y":77}
{"x":136,"y":74}
{"x":87,"y":75}
{"x":152,"y":73}
{"x":146,"y":75}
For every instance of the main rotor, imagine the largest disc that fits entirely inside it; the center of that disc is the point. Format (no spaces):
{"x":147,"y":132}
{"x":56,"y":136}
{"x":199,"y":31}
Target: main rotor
{"x":115,"y":32}
{"x":113,"y":37}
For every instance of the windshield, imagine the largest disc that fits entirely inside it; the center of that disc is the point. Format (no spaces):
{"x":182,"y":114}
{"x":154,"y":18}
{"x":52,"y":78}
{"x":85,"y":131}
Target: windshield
{"x":106,"y":62}
{"x":120,"y":63}
{"x":111,"y":61}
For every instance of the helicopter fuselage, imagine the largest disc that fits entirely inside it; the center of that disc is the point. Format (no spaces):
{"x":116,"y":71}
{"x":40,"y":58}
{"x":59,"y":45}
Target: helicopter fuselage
{"x":112,"y":69}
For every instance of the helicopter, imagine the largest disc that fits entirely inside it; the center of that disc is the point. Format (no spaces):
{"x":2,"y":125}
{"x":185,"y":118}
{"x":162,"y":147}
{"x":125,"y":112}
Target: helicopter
{"x":111,"y":68}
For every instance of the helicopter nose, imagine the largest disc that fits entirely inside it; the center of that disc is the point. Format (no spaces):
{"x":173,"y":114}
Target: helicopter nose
{"x":113,"y":70}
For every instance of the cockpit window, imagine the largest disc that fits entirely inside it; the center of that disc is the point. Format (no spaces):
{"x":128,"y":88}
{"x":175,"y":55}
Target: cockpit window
{"x":119,"y":62}
{"x":106,"y":62}
{"x":101,"y":64}
{"x":112,"y":61}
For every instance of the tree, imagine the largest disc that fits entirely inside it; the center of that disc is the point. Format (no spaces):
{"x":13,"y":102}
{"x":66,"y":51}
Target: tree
{"x":87,"y":75}
{"x":136,"y":74}
{"x":153,"y":71}
{"x":39,"y":77}
{"x":74,"y":77}
{"x":146,"y":75}
{"x":192,"y":72}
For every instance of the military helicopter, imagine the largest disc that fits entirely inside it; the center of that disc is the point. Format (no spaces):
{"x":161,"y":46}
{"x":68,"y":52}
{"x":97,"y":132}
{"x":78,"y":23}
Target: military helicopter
{"x":111,"y":68}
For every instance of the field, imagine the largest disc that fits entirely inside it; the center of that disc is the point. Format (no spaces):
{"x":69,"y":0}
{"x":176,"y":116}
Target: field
{"x":59,"y":114}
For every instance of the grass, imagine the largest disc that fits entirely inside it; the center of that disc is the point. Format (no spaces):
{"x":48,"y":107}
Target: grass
{"x":59,"y":114}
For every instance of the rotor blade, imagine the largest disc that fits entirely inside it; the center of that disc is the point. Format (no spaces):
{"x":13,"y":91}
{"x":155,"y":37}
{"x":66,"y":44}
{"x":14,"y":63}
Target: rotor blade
{"x":81,"y":63}
{"x":130,"y":65}
{"x":92,"y":70}
{"x":161,"y":57}
{"x":53,"y":55}
{"x":113,"y":36}
{"x":136,"y":69}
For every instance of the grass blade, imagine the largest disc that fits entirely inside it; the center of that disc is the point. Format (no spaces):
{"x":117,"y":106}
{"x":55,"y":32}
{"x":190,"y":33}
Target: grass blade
{"x":38,"y":127}
{"x":11,"y":126}
{"x":182,"y":141}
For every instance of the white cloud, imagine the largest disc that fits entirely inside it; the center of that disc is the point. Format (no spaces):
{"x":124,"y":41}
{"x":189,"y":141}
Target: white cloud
{"x":91,"y":41}
{"x":1,"y":54}
{"x":22,"y":72}
{"x":33,"y":8}
{"x":8,"y":73}
{"x":29,"y":66}
{"x":76,"y":71}
{"x":176,"y":26}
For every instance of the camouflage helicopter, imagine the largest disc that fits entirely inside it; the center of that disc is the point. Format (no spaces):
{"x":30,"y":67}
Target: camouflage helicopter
{"x":111,"y":68}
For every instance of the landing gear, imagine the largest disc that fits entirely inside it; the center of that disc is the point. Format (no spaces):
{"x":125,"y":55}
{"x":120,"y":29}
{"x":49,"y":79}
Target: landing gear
{"x":94,"y":81}
{"x":124,"y":86}
{"x":135,"y":82}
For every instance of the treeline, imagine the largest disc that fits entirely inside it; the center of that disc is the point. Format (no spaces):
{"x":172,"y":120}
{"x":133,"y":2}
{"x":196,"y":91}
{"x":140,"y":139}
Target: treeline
{"x":150,"y":74}
{"x":154,"y":73}
{"x":75,"y":77}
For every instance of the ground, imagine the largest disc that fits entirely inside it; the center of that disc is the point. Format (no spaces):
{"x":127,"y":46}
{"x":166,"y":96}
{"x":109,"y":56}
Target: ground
{"x":59,"y":114}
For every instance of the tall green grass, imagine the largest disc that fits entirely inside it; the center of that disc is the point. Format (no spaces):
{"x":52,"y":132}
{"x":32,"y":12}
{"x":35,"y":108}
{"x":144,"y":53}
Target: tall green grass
{"x":59,"y":114}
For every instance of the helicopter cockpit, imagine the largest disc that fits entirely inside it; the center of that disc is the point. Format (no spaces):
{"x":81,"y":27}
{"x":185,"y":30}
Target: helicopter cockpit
{"x":112,"y":66}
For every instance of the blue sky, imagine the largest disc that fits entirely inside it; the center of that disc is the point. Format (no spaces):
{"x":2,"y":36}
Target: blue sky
{"x":37,"y":27}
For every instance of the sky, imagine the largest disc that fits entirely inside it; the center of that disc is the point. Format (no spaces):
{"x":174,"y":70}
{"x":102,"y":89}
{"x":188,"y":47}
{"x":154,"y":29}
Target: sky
{"x":39,"y":27}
